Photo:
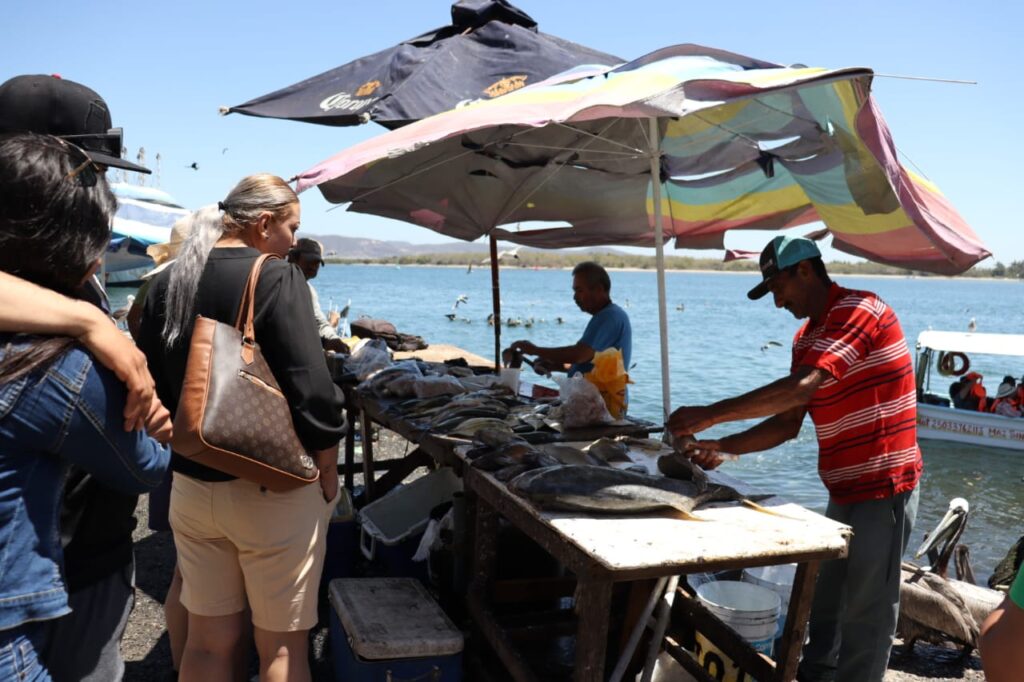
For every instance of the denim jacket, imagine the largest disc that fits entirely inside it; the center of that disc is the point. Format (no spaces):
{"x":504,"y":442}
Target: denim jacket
{"x":69,"y":413}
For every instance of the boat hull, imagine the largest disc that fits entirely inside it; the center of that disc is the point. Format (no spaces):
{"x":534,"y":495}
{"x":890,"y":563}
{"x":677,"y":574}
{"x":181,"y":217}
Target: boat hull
{"x":935,"y":422}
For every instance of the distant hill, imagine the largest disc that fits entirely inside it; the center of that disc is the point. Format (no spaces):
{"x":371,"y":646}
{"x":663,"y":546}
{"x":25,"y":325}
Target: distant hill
{"x":359,"y":248}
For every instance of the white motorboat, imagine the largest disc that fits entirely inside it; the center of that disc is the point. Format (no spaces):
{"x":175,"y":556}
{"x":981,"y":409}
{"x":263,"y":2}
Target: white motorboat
{"x":144,"y":217}
{"x":942,"y":357}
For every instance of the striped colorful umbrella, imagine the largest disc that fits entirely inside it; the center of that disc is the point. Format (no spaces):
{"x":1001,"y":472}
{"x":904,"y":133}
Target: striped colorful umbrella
{"x":735,"y":143}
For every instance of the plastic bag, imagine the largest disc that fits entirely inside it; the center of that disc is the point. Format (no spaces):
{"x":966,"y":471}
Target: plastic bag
{"x":582,"y":404}
{"x":367,"y":357}
{"x":610,"y":378}
{"x":393,"y":380}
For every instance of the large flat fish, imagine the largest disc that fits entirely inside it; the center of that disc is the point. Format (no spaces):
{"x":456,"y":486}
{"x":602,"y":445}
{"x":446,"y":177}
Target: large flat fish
{"x":613,"y":491}
{"x":566,"y":454}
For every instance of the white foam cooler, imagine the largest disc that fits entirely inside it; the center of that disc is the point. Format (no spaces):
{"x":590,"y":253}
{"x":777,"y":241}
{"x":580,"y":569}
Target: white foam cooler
{"x":390,"y":630}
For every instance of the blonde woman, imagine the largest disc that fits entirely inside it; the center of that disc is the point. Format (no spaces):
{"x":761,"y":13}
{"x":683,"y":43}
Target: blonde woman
{"x":237,"y":543}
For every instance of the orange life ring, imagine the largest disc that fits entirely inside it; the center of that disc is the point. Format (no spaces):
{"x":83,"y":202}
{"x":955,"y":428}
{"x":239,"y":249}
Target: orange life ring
{"x":948,"y":364}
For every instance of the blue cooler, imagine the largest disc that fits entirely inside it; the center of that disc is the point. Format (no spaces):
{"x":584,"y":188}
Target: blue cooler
{"x":342,"y":541}
{"x":390,"y":630}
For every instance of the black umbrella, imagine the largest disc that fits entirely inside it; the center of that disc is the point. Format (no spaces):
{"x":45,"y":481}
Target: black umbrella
{"x":490,"y":48}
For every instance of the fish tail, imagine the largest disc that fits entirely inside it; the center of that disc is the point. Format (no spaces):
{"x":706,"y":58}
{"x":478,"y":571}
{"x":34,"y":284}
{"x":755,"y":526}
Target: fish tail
{"x":765,"y":510}
{"x":687,"y":515}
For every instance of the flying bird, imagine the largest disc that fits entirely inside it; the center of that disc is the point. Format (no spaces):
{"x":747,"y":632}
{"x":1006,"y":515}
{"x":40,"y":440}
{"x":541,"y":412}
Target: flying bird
{"x":194,"y":165}
{"x":224,"y":151}
{"x":512,"y":253}
{"x":769,"y":344}
{"x":461,"y":299}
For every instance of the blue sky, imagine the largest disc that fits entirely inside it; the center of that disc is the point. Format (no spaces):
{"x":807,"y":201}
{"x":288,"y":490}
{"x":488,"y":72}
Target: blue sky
{"x":164,"y":68}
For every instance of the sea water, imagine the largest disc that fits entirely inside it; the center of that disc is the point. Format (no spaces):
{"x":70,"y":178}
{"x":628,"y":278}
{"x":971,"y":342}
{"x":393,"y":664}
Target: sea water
{"x":718,"y":342}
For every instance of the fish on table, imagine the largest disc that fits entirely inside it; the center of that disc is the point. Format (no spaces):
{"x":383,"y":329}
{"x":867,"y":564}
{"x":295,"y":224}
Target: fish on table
{"x":596,"y":489}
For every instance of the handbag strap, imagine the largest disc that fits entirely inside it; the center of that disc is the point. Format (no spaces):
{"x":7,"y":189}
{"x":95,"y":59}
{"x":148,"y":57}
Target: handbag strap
{"x":247,"y":309}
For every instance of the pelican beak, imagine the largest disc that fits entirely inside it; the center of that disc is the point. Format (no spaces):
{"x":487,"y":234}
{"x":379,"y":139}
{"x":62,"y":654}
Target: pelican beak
{"x":955,"y":517}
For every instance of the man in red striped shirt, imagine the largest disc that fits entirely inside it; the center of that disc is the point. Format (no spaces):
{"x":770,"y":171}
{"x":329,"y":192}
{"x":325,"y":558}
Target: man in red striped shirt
{"x":852,"y":372}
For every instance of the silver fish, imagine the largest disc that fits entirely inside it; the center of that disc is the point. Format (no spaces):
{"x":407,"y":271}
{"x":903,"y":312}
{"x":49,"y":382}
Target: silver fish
{"x":682,"y":468}
{"x":609,"y":450}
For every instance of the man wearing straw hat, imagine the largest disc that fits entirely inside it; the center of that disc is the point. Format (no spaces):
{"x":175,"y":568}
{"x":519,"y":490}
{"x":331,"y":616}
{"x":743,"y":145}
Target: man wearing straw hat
{"x":163,"y":255}
{"x":852,"y":372}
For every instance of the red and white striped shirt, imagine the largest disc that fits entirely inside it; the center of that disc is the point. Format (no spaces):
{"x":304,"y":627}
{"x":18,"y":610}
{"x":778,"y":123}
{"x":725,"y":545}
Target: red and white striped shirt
{"x":865,"y":414}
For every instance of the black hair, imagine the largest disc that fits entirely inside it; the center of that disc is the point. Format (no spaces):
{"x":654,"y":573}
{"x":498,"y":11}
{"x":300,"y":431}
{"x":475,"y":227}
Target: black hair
{"x":593,"y":274}
{"x":55,"y":216}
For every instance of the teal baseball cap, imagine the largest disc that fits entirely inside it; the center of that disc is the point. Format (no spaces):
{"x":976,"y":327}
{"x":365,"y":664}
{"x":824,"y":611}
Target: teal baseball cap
{"x":781,"y":253}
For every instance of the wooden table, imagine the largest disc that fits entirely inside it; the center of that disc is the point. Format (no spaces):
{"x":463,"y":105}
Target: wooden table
{"x":603,"y":551}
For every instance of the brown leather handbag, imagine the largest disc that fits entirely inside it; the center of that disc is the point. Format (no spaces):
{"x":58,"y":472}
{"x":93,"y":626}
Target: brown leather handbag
{"x":232,"y":415}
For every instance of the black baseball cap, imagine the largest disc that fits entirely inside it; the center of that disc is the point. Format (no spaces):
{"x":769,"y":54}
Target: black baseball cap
{"x":51,"y":105}
{"x":308,"y":248}
{"x":781,"y":253}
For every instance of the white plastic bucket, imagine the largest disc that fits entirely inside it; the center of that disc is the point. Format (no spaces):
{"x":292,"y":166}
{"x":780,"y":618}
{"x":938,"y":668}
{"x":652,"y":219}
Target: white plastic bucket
{"x":750,"y":610}
{"x":778,"y":579}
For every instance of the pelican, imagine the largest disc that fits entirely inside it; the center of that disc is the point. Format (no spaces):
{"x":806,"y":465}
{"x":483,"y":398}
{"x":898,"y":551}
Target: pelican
{"x":122,"y":312}
{"x":936,"y":608}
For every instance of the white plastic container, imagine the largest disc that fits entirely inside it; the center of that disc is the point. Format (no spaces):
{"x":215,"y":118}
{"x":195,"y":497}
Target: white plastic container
{"x":750,"y":610}
{"x":778,"y":579}
{"x":395,"y":520}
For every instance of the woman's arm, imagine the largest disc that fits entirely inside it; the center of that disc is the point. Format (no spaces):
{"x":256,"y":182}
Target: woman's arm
{"x":31,"y":309}
{"x":128,"y":461}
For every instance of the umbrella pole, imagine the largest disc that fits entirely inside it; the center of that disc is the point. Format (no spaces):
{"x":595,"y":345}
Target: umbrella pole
{"x":659,"y":253}
{"x":496,"y":301}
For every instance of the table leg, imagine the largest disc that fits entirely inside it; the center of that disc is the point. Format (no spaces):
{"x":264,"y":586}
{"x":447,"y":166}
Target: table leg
{"x":593,"y":609}
{"x":350,"y":446}
{"x":367,"y":431}
{"x":795,"y":632}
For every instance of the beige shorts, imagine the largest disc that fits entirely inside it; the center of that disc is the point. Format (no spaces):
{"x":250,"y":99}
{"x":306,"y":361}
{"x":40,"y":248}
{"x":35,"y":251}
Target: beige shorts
{"x":238,"y":544}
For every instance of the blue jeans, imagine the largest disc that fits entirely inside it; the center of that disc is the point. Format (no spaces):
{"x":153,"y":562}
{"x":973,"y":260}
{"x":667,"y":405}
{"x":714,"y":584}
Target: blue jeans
{"x":19,"y":653}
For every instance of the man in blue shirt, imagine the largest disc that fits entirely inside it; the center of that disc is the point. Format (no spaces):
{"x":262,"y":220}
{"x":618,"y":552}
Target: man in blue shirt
{"x":608,"y":328}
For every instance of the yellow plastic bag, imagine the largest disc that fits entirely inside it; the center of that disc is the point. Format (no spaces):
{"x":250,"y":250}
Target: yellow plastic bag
{"x":610,"y":378}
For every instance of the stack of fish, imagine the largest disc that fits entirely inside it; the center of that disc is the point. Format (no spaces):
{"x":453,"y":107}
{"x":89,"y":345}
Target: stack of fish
{"x":563,"y":478}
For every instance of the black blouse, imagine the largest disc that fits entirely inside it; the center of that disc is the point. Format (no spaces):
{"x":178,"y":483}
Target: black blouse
{"x":285,"y":331}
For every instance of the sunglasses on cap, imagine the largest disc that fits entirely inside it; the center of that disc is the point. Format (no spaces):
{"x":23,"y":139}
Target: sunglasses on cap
{"x":109,"y":143}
